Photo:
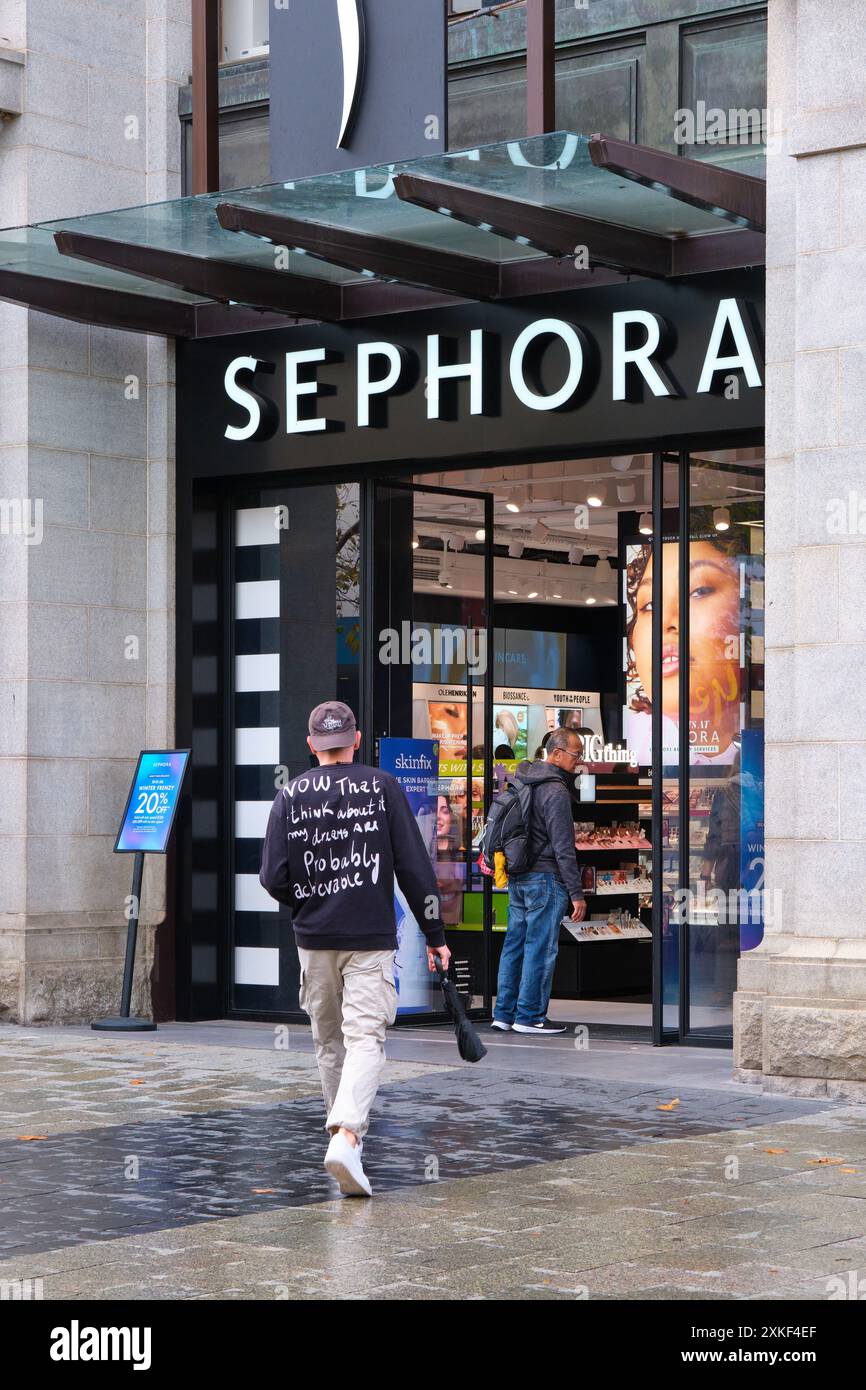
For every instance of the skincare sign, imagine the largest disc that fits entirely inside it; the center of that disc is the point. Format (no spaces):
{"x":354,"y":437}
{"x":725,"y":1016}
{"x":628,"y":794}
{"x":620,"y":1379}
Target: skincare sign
{"x":152,"y":802}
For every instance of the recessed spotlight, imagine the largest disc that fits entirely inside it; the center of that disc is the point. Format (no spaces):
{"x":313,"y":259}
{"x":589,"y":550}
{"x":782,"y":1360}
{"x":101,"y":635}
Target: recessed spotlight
{"x":480,"y":534}
{"x":415,"y":541}
{"x":533,"y":593}
{"x":722,"y":519}
{"x":590,"y":600}
{"x":645,"y":525}
{"x":517,"y":500}
{"x":622,"y":463}
{"x":596,"y":496}
{"x":626,"y":492}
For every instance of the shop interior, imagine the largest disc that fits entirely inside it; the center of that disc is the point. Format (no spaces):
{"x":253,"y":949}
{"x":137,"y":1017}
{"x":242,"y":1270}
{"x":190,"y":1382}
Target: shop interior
{"x":571,"y":579}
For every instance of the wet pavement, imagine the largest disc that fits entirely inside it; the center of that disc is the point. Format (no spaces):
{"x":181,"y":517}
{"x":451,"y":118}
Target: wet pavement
{"x":185,"y":1167}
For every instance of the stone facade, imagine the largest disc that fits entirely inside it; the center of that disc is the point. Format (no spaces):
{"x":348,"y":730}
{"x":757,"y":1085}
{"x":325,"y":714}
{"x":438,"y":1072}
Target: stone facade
{"x":87,"y":435}
{"x":800,"y":1010}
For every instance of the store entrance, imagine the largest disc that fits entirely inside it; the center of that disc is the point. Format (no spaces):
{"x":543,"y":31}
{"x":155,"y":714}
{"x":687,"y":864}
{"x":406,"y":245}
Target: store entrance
{"x":523,"y":599}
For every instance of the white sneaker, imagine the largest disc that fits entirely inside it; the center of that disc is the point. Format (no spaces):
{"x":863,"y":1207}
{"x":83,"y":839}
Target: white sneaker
{"x":501,"y":1025}
{"x":343,"y":1162}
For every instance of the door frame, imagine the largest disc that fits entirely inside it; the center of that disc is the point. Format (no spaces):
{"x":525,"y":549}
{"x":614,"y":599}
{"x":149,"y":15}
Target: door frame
{"x":370,"y":494}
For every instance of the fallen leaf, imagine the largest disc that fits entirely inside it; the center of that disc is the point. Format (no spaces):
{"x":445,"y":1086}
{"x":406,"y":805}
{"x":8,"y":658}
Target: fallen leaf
{"x":262,"y":1191}
{"x":671,"y":1105}
{"x":847,"y":1170}
{"x":816,"y":1162}
{"x":136,"y":1083}
{"x":29,"y":1137}
{"x":775,"y":1151}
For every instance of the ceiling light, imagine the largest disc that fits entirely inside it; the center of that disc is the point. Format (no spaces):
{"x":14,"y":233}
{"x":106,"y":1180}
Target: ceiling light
{"x":622,"y":463}
{"x":596,"y":495}
{"x":626,"y":492}
{"x":515,"y":550}
{"x":513,"y":592}
{"x":722,"y":519}
{"x":517,"y":501}
{"x":590,"y":600}
{"x":415,"y":541}
{"x":575,"y":554}
{"x":533,"y":593}
{"x":645,"y":525}
{"x":455,"y":543}
{"x":480,"y":534}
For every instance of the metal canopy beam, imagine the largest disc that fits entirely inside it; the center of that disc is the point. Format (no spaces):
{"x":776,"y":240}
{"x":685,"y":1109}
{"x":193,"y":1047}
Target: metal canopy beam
{"x":553,"y":231}
{"x":137,"y":313}
{"x":213,"y":279}
{"x":737,"y":197}
{"x":430,"y":268}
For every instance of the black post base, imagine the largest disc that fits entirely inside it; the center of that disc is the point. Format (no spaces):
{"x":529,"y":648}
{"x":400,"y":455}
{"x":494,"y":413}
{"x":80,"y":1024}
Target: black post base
{"x":124,"y":1025}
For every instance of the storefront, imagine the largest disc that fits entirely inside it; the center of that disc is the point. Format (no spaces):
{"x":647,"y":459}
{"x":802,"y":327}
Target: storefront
{"x":473,"y":443}
{"x":475,"y":522}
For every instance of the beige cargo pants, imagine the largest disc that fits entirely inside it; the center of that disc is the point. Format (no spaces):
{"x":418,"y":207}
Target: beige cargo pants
{"x":351,"y":998}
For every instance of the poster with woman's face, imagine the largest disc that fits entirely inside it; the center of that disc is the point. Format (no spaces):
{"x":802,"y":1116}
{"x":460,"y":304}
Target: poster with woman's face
{"x":448,"y":725}
{"x":714,"y":650}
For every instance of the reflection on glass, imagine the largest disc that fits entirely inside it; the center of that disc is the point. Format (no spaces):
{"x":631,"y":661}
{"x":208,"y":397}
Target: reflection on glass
{"x":725,"y":899}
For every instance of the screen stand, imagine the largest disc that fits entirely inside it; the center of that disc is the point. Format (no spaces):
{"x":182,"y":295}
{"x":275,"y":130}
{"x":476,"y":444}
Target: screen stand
{"x":123,"y":1023}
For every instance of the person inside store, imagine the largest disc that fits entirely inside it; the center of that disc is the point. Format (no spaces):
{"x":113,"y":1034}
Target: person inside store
{"x":539,"y":898}
{"x":450,"y":862}
{"x":335,"y":843}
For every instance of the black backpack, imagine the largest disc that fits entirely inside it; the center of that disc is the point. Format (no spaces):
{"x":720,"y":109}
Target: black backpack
{"x":507,"y":828}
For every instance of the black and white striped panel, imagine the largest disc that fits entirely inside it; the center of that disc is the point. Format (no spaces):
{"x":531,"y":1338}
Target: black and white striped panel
{"x":257,"y":927}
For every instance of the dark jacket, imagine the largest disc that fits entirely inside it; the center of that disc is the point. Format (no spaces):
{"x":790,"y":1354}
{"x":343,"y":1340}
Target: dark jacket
{"x":551,"y":824}
{"x":337,"y":836}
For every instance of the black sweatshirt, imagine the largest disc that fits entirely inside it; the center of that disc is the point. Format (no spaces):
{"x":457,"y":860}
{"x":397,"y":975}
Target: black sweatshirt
{"x":336,"y":837}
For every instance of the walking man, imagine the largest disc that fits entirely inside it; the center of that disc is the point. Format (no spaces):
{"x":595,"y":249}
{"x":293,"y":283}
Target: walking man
{"x":538,"y":899}
{"x":335,"y":841}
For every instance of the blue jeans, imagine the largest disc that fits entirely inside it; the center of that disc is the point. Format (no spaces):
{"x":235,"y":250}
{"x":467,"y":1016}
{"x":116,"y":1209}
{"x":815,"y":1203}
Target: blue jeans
{"x":536,"y":906}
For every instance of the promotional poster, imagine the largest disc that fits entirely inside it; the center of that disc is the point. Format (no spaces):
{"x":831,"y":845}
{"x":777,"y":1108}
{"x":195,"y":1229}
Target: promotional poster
{"x":415,"y":764}
{"x":152,"y":803}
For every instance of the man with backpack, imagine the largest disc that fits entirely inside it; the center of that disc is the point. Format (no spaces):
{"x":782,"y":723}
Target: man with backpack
{"x":533,"y":829}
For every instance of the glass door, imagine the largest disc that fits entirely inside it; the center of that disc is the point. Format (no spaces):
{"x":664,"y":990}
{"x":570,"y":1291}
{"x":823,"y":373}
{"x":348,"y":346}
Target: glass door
{"x":430,"y":698}
{"x":704,"y":582}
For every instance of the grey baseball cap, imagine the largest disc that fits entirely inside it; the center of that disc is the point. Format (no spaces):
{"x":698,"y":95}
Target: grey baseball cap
{"x":332,"y":725}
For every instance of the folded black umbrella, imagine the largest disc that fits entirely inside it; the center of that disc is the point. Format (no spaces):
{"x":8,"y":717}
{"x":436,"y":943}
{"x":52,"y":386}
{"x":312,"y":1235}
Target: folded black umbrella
{"x":469,"y":1045}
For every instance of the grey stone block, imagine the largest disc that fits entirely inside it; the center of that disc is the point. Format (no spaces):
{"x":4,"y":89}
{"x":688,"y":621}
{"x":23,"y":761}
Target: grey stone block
{"x":12,"y":66}
{"x":118,"y":355}
{"x":118,"y":494}
{"x":46,"y":779}
{"x":13,"y":796}
{"x":13,"y":406}
{"x":56,"y":87}
{"x":58,"y":345}
{"x":13,"y":636}
{"x":117,"y":644}
{"x":89,"y":567}
{"x":60,"y":479}
{"x":748,"y":1032}
{"x":816,"y":414}
{"x":90,"y":411}
{"x":13,"y":873}
{"x":70,"y":30}
{"x":70,"y":187}
{"x":76,"y":873}
{"x":117,"y":113}
{"x":57,"y":642}
{"x":85,"y":721}
{"x":13,"y":718}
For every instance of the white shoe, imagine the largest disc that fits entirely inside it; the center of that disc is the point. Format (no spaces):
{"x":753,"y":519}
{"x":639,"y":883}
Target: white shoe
{"x":502,"y":1027}
{"x":343,"y":1162}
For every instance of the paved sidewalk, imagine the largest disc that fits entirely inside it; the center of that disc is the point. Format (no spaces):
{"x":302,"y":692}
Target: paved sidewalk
{"x":187,"y":1164}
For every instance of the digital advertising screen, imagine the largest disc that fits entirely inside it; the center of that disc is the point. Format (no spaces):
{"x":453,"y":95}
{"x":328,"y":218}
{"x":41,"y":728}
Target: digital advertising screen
{"x":152,"y":802}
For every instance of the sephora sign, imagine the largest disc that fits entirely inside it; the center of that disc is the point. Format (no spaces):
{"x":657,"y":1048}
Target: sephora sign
{"x":625,"y":364}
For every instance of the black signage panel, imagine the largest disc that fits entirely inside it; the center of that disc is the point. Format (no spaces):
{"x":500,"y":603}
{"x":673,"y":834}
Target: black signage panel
{"x":355,"y":83}
{"x":607,"y":370}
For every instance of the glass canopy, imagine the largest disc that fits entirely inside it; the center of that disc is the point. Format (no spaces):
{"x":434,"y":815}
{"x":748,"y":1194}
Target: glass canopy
{"x":337,"y":230}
